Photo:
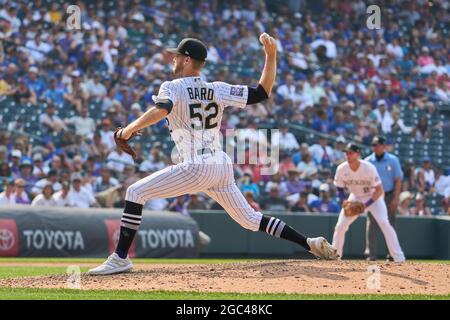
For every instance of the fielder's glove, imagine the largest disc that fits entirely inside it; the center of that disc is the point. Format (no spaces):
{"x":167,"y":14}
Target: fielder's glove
{"x":123,"y":143}
{"x":353,"y":208}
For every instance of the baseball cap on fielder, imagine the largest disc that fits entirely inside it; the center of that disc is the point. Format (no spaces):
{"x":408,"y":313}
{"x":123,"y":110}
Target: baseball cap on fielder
{"x":191,"y":47}
{"x":378,"y":140}
{"x":352,"y":147}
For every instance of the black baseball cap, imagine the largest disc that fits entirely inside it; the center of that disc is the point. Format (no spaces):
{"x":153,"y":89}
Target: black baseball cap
{"x":191,"y":47}
{"x":352,"y":147}
{"x":378,"y":140}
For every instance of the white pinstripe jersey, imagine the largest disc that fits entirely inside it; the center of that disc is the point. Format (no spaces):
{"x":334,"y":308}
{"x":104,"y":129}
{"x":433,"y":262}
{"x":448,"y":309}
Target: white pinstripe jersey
{"x":196,"y":115}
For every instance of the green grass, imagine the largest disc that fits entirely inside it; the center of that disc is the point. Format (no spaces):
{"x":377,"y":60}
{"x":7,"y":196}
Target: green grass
{"x":30,"y":294}
{"x":70,"y":294}
{"x":13,"y":272}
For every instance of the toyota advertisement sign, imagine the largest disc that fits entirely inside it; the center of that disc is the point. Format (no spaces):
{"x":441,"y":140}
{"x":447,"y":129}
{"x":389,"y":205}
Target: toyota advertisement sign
{"x":73,"y":232}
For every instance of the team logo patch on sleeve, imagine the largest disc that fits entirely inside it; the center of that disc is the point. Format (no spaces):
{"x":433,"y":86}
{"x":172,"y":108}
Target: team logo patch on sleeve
{"x":237,"y":91}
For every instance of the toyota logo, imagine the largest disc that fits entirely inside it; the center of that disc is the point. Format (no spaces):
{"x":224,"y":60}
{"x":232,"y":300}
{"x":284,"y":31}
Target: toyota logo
{"x":6,"y":239}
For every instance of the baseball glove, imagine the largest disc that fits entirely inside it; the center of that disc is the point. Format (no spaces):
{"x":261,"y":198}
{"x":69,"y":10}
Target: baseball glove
{"x":123,"y":143}
{"x":353,"y":208}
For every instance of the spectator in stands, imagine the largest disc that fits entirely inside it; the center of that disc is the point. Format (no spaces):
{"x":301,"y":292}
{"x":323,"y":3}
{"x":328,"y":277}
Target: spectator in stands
{"x":384,"y":118}
{"x":39,"y":170}
{"x":21,"y":195}
{"x":84,"y":125}
{"x":156,"y":160}
{"x":421,"y":131}
{"x":16,"y":155}
{"x":107,"y":134}
{"x":325,"y":41}
{"x":301,"y":205}
{"x":26,"y":173}
{"x":293,"y":184}
{"x":136,"y":112}
{"x":22,"y":94}
{"x":4,"y":170}
{"x":196,"y":202}
{"x":54,"y":95}
{"x":117,"y":160}
{"x":425,"y":176}
{"x":284,"y":139}
{"x":273,"y":201}
{"x":95,"y":88}
{"x":251,"y":200}
{"x":398,"y":125}
{"x":80,"y":196}
{"x":287,"y":90}
{"x":50,"y":122}
{"x":45,"y":198}
{"x":180,"y":205}
{"x":321,"y":122}
{"x":52,"y":179}
{"x":322,"y":153}
{"x":425,"y":60}
{"x":58,"y":163}
{"x":96,"y":148}
{"x":247,"y":184}
{"x":441,"y":182}
{"x":37,"y":48}
{"x":325,"y":204}
{"x":286,"y":163}
{"x":276,"y":179}
{"x":3,"y":154}
{"x":8,"y":197}
{"x":34,"y":82}
{"x":307,"y":163}
{"x":62,"y":198}
{"x":338,"y":152}
{"x":104,"y":181}
{"x":420,"y":208}
{"x":404,"y":207}
{"x":77,"y":94}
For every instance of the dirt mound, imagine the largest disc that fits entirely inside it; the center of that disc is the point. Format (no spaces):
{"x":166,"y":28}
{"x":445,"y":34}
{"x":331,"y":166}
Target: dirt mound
{"x":286,"y":276}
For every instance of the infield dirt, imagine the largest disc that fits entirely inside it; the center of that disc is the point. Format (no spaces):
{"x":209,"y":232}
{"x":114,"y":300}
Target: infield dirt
{"x":277,"y":276}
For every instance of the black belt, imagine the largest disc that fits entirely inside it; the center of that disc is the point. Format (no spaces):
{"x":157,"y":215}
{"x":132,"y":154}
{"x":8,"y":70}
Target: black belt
{"x":389,"y":192}
{"x":205,"y":151}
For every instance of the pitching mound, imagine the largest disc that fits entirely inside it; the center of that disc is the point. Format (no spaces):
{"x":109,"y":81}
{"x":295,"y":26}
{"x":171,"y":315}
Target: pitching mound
{"x":286,"y":276}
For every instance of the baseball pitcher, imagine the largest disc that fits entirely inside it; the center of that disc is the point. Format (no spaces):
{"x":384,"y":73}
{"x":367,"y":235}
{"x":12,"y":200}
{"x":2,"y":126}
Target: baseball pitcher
{"x":361,"y":178}
{"x":194,"y":109}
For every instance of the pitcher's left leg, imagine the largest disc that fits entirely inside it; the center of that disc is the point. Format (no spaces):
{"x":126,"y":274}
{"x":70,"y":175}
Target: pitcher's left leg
{"x":234,"y":203}
{"x":379,"y":212}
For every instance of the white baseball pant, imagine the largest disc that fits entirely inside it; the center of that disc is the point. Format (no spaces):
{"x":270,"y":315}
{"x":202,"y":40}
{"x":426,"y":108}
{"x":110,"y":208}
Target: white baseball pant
{"x":208,"y":173}
{"x":379,"y":212}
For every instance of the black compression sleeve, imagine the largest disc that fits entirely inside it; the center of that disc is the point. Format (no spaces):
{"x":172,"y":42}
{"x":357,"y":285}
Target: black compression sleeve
{"x":166,"y":105}
{"x":256,"y":95}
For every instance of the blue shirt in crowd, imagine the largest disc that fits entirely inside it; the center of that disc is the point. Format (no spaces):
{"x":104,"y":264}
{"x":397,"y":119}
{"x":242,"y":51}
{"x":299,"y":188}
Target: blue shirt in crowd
{"x":330,"y":206}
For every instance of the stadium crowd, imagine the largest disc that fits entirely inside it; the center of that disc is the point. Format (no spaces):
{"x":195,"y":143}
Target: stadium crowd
{"x":336,"y":77}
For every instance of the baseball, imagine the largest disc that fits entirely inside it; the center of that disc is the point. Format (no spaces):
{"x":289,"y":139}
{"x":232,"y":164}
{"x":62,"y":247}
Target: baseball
{"x":262,"y":36}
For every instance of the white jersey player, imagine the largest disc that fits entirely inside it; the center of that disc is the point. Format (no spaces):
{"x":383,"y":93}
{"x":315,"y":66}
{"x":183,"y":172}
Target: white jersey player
{"x":194,"y":110}
{"x":361,"y":178}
